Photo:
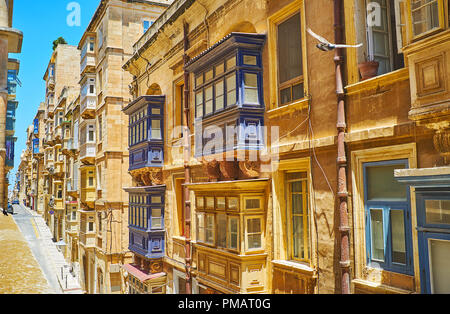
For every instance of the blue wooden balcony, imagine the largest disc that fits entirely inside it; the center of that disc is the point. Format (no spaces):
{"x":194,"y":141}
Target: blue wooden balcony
{"x":229,"y":100}
{"x":10,"y":123}
{"x":10,"y":146}
{"x":36,"y":148}
{"x":146,"y":221}
{"x":11,"y":107}
{"x":146,"y":132}
{"x":36,"y":127}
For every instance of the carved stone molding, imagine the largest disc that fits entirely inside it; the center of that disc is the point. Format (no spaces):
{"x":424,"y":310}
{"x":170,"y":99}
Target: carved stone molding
{"x":148,"y":177}
{"x":156,"y":176}
{"x":441,"y":141}
{"x":229,"y":170}
{"x":212,"y":170}
{"x":250,"y":169}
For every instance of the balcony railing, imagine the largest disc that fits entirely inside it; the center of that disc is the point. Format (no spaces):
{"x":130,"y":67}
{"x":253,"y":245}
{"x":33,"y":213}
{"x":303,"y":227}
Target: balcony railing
{"x":87,"y":239}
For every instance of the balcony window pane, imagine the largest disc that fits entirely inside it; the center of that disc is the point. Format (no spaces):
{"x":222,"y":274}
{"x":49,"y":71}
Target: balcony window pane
{"x":437,"y":211}
{"x":210,"y":203}
{"x":231,"y":89}
{"x":156,"y":218}
{"x":208,"y":100}
{"x":425,"y":15}
{"x":209,"y":75}
{"x":209,"y":234}
{"x":233,"y":225}
{"x":250,"y":60}
{"x":220,"y":203}
{"x":156,"y":129}
{"x":231,"y":63}
{"x":201,"y":227}
{"x":233,"y":203}
{"x":220,"y":69}
{"x":199,"y":80}
{"x":439,"y":257}
{"x":199,"y":104}
{"x":222,"y":230}
{"x":398,"y":237}
{"x":251,"y":88}
{"x":377,"y":234}
{"x":254,"y":233}
{"x":219,"y":90}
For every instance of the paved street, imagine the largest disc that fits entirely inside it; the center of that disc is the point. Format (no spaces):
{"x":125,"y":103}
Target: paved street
{"x":26,"y":220}
{"x":23,"y":266}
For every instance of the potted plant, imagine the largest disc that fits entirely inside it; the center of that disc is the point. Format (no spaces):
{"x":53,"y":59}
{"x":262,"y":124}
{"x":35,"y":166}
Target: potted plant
{"x":368,"y":68}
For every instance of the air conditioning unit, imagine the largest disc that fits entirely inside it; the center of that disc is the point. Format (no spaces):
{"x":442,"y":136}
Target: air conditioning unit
{"x":114,"y":268}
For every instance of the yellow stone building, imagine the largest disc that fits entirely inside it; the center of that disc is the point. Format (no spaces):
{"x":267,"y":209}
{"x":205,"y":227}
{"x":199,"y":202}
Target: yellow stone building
{"x":215,"y":151}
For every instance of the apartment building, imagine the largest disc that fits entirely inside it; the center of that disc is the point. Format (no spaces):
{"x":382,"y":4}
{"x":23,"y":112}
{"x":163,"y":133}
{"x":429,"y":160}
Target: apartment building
{"x":349,"y":189}
{"x":103,"y":154}
{"x":62,"y":73}
{"x":10,"y":42}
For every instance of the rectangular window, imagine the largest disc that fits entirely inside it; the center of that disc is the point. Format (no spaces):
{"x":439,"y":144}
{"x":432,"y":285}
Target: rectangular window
{"x":156,"y":218}
{"x":290,"y":60}
{"x":254,"y":233}
{"x":251,"y":88}
{"x":201,"y":227}
{"x":233,"y":233}
{"x":219,"y":90}
{"x":297,"y":198}
{"x":208,"y":100}
{"x":231,"y":90}
{"x":222,"y":230}
{"x":199,"y":104}
{"x":388,"y":224}
{"x":156,"y":129}
{"x":425,"y":15}
{"x":382,"y":43}
{"x":209,"y":229}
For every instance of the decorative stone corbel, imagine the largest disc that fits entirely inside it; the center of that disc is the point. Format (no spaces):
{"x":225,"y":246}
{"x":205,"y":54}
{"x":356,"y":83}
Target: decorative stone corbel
{"x":212,"y":170}
{"x":441,"y":141}
{"x":229,"y":170}
{"x":250,"y":169}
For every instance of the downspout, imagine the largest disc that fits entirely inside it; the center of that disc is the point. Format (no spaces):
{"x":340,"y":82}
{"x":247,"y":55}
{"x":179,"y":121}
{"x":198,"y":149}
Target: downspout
{"x":342,"y":193}
{"x":187,"y":170}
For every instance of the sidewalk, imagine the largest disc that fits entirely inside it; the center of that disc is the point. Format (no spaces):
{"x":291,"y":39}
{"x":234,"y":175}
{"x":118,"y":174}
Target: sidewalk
{"x":20,"y":272}
{"x":67,"y":282}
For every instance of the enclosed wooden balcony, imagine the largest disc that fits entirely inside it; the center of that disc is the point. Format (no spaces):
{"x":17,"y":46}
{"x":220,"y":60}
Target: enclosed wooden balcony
{"x":87,"y":229}
{"x":88,"y":193}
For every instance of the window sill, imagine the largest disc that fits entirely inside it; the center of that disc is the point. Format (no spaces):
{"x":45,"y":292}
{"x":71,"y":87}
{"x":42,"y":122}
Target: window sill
{"x":296,"y":266}
{"x":378,"y":81}
{"x":378,"y":288}
{"x":287,"y":109}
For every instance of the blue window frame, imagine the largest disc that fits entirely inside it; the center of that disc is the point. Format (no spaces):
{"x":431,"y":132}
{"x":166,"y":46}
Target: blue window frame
{"x":388,"y":218}
{"x":433,"y":221}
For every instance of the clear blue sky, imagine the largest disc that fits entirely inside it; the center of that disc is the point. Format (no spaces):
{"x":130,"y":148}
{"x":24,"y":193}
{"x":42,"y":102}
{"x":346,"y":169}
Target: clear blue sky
{"x":41,"y":23}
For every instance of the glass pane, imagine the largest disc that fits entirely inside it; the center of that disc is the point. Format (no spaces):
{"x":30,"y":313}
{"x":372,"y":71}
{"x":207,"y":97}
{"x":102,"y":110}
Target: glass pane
{"x":298,"y":92}
{"x":156,"y":199}
{"x":199,"y":104}
{"x":210,"y":229}
{"x":298,"y":240}
{"x":250,"y":60}
{"x":234,"y":229}
{"x":437,"y":211}
{"x":209,"y":75}
{"x":254,"y":241}
{"x":297,"y":204}
{"x":253,"y":203}
{"x":251,"y":88}
{"x":222,"y":230}
{"x":381,"y":184}
{"x":377,"y":234}
{"x":290,"y":49}
{"x":231,"y":90}
{"x":233,"y":203}
{"x":200,"y":202}
{"x":425,"y":15}
{"x":297,"y":187}
{"x":200,"y":228}
{"x":210,"y":202}
{"x":398,"y":237}
{"x":254,"y":225}
{"x":219,"y":90}
{"x":156,"y":129}
{"x":199,"y":80}
{"x":220,"y":203}
{"x":220,"y":69}
{"x":209,"y":100}
{"x":439,"y":269}
{"x":285,"y":96}
{"x":231,"y":63}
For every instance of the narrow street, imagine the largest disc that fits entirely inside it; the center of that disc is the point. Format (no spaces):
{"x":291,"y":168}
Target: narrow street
{"x":24,"y":267}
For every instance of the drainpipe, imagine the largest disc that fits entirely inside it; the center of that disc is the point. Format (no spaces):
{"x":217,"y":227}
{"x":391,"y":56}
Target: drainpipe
{"x":187,"y":170}
{"x":342,"y":194}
